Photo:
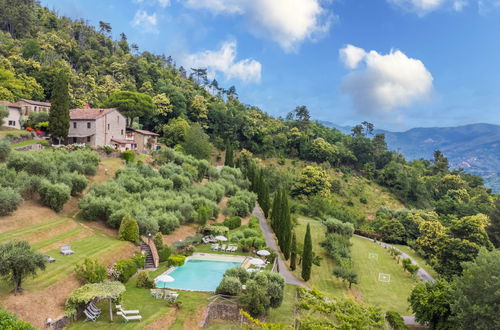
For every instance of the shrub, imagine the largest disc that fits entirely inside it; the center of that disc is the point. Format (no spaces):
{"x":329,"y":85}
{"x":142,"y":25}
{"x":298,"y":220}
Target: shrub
{"x":158,"y":240}
{"x":129,"y":230}
{"x":232,"y":222}
{"x":128,"y":156}
{"x":126,"y":269}
{"x":4,"y":150}
{"x":250,"y":233}
{"x":253,"y":223}
{"x":90,"y":271}
{"x":203,"y":214}
{"x":395,"y":320}
{"x":177,"y":260}
{"x":238,"y":272}
{"x":229,"y":285}
{"x":143,"y":280}
{"x":77,"y":182}
{"x":255,"y":243}
{"x":11,"y":322}
{"x":164,"y":253}
{"x":9,"y":200}
{"x":339,"y":227}
{"x":54,"y":195}
{"x":215,"y":230}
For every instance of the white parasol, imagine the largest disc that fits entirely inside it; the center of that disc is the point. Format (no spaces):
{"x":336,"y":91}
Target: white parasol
{"x":264,"y":253}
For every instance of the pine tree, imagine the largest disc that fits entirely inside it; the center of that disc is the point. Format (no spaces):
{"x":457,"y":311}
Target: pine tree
{"x":293,"y":253}
{"x":229,"y":161}
{"x":307,"y":255}
{"x":286,"y":228}
{"x":59,"y":110}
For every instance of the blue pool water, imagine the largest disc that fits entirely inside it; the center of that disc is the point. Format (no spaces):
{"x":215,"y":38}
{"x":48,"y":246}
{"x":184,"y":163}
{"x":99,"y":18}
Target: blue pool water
{"x":198,"y":275}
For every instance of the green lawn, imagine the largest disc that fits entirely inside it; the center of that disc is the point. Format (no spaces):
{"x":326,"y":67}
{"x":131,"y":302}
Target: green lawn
{"x":207,"y":248}
{"x":150,"y":308}
{"x":18,"y":234}
{"x":421,"y":262}
{"x":284,"y":313}
{"x":25,"y":143}
{"x":4,"y":131}
{"x":389,"y":296}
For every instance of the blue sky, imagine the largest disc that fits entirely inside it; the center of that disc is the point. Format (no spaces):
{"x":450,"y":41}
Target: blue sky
{"x":397,"y":63}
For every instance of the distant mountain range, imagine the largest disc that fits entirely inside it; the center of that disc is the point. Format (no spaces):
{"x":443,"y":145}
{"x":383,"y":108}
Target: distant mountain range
{"x":475,"y":147}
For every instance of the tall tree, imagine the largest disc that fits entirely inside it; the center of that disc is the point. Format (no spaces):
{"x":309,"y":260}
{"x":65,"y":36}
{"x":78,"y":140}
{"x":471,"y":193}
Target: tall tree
{"x":18,"y":260}
{"x":286,"y":228}
{"x":265,"y":203}
{"x":293,"y":253}
{"x":476,"y":299}
{"x":59,"y":111}
{"x":131,"y":104}
{"x":276,"y":210}
{"x":17,"y":17}
{"x":307,"y":255}
{"x":494,"y":228}
{"x":229,"y":160}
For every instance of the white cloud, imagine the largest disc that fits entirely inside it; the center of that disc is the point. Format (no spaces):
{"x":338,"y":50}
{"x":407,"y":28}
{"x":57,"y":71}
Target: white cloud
{"x":162,"y":3}
{"x":144,"y":21}
{"x":352,"y":56}
{"x":458,"y":5}
{"x":287,"y":22}
{"x":386,"y":82}
{"x":486,"y":6}
{"x":421,"y":7}
{"x":224,"y":61}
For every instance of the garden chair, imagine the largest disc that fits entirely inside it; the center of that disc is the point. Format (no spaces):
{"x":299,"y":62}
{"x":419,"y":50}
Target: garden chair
{"x":156,"y":293}
{"x":130,"y":317}
{"x":90,"y":316}
{"x":93,"y":309}
{"x":235,"y":248}
{"x":215,"y":247}
{"x":171,"y":295}
{"x":223,"y":247}
{"x":126,"y":312}
{"x":66,"y":250}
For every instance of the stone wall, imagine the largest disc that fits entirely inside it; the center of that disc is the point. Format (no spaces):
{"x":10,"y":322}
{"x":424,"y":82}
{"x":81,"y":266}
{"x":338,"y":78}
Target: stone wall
{"x":34,"y":146}
{"x":226,"y":312}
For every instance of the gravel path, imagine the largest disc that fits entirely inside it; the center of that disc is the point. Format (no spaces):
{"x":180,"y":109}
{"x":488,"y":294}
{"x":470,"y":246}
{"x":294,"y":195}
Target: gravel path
{"x":271,"y":243}
{"x":422,"y":274}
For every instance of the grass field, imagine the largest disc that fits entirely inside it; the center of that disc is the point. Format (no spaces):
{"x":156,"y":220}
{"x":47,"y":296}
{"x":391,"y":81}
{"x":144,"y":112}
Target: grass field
{"x":389,"y":296}
{"x":25,"y":143}
{"x":4,"y":131}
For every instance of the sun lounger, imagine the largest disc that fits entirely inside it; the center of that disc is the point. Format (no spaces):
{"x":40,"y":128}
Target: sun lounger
{"x":205,"y":240}
{"x":90,"y":316}
{"x":234,"y":248}
{"x":215,"y":247}
{"x":66,"y":250}
{"x":127,"y":312}
{"x":171,"y":295}
{"x":92,"y":308}
{"x":223,"y":247}
{"x":129,"y":317}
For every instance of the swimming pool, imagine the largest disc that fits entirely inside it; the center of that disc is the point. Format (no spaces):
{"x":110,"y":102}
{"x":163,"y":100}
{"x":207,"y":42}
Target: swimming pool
{"x":197,"y":275}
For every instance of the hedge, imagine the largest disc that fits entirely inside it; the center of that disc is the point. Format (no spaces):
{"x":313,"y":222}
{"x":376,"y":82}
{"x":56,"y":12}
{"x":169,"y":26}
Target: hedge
{"x":232,"y":222}
{"x":177,"y":260}
{"x":11,"y":322}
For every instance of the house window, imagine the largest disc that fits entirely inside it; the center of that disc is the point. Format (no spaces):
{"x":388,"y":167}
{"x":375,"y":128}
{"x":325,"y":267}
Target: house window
{"x":74,"y":140}
{"x":88,"y":138}
{"x":88,"y":125}
{"x":122,"y":132}
{"x":74,"y":124}
{"x":12,"y":123}
{"x":108,"y":127}
{"x":118,"y":119}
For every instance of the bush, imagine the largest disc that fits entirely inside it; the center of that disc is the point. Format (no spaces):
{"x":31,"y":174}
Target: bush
{"x":90,"y":271}
{"x":126,"y":269}
{"x":143,"y":280}
{"x":77,"y":182}
{"x":129,"y":230}
{"x":238,"y":272}
{"x":4,"y":150}
{"x":395,"y":320}
{"x":164,"y":253}
{"x":215,"y":230}
{"x":339,"y":227}
{"x":168,"y":222}
{"x":9,"y":321}
{"x":250,"y":233}
{"x":54,"y":195}
{"x":9,"y":200}
{"x":128,"y":156}
{"x":229,"y":285}
{"x":251,"y":243}
{"x":158,"y":241}
{"x":232,"y":222}
{"x":203,"y":214}
{"x":253,"y":223}
{"x":177,"y":260}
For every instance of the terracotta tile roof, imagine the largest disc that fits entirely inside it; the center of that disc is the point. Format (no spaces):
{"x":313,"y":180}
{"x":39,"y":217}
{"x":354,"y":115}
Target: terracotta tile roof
{"x":89,"y":114}
{"x":143,"y":132}
{"x":8,"y":104}
{"x":43,"y":104}
{"x":122,"y":141}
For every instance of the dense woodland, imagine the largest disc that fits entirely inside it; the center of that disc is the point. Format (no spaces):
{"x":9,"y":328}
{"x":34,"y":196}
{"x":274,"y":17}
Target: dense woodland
{"x":450,"y":215}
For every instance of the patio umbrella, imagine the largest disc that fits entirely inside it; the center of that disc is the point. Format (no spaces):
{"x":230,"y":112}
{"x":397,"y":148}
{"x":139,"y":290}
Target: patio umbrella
{"x":257,"y":262}
{"x":221,"y":238}
{"x":264,"y":253}
{"x":165,"y":278}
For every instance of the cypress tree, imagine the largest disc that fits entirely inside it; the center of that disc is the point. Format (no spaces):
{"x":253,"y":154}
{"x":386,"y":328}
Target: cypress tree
{"x":286,"y":228}
{"x":293,"y":253}
{"x":307,"y":255}
{"x":275,"y":215}
{"x":229,"y":161}
{"x":266,"y":202}
{"x":59,"y":110}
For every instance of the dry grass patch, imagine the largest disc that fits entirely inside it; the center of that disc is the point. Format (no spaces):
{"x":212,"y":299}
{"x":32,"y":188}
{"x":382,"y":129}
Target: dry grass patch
{"x":180,"y":233}
{"x":29,"y":213}
{"x":163,"y":322}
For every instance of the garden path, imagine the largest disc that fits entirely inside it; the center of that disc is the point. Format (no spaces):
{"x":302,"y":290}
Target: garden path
{"x":271,"y":243}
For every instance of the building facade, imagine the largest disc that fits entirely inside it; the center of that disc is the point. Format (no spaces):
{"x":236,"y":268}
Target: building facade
{"x":96,"y":127}
{"x":29,"y":106}
{"x":144,"y":141}
{"x":13,"y":120}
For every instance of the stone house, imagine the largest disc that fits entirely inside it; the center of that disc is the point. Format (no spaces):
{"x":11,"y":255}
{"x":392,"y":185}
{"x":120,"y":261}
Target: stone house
{"x":96,"y":127}
{"x":144,"y":141}
{"x":13,"y":120}
{"x":29,"y":106}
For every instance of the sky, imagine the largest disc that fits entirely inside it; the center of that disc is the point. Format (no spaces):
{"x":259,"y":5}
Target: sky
{"x":396,"y":63}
